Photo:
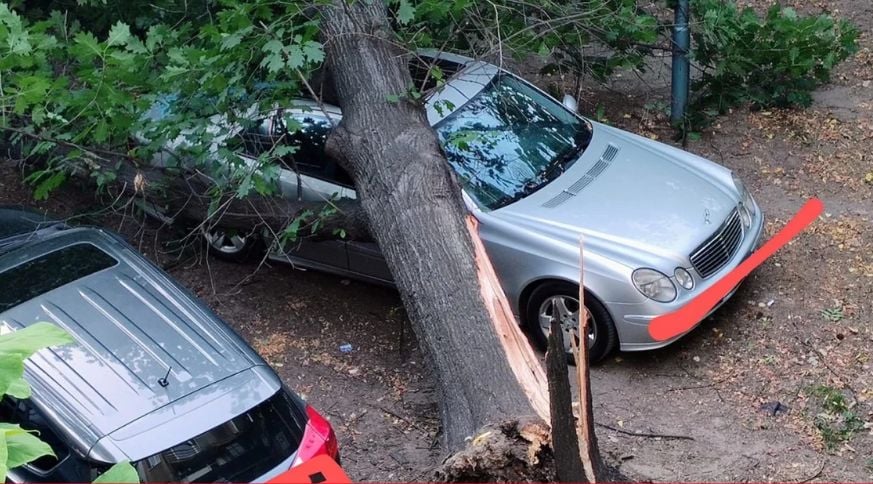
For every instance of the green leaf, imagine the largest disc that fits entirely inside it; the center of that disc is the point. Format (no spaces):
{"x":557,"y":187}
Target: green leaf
{"x":86,"y":47}
{"x":48,"y":184}
{"x":32,"y":90}
{"x":17,"y":346}
{"x":11,"y":370}
{"x":118,"y":35}
{"x":296,"y":58}
{"x":275,"y":46}
{"x":273,"y":63}
{"x":4,"y":451}
{"x":230,"y":41}
{"x":27,"y":341}
{"x":22,"y":445}
{"x":280,"y":151}
{"x":405,"y":12}
{"x":19,"y":389}
{"x":101,"y":132}
{"x":122,"y":472}
{"x":313,"y":51}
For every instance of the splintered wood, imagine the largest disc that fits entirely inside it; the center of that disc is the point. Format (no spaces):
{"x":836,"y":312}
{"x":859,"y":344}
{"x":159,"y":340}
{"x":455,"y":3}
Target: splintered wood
{"x":524,"y":362}
{"x":565,"y":440}
{"x":588,"y":450}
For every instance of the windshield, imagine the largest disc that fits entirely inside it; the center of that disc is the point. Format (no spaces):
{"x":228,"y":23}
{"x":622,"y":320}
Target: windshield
{"x":240,"y":450}
{"x":510,"y":140}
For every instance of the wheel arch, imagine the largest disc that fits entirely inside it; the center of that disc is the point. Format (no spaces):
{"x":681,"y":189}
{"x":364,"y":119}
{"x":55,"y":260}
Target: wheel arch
{"x":524,"y":297}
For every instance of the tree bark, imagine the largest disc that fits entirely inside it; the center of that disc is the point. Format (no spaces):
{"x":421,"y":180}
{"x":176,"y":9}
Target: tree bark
{"x":565,"y":441}
{"x":413,"y":202}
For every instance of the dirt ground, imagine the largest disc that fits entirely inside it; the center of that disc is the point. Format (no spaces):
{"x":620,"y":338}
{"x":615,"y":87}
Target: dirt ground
{"x":798,"y":333}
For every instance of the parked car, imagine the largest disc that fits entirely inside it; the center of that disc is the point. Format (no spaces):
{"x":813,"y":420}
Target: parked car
{"x":154,"y":376}
{"x":660,"y":225}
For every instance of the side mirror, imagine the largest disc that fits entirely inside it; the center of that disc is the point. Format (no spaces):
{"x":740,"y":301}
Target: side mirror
{"x":570,"y":103}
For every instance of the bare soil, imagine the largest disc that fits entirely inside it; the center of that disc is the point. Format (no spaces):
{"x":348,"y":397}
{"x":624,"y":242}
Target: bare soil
{"x":797,"y":333}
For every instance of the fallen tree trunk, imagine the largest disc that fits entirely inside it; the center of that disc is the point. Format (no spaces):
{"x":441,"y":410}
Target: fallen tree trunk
{"x":413,"y":203}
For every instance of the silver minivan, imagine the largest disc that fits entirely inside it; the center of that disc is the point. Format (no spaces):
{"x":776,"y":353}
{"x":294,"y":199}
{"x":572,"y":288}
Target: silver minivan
{"x":154,"y":376}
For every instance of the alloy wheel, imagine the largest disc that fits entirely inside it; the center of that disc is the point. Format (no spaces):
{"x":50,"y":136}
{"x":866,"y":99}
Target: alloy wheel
{"x":566,"y":309}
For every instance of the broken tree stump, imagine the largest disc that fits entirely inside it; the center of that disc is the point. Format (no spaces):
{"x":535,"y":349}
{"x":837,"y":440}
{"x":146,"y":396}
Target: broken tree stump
{"x":588,"y":449}
{"x":565,"y":441}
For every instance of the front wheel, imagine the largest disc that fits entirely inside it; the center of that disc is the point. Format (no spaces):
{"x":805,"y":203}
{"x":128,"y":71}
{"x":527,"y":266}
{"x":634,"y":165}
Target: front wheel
{"x":561,"y":300}
{"x":231,"y":245}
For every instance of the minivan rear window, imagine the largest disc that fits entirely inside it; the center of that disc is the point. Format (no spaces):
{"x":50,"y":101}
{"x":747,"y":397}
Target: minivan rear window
{"x":50,"y":271}
{"x":239,"y":450}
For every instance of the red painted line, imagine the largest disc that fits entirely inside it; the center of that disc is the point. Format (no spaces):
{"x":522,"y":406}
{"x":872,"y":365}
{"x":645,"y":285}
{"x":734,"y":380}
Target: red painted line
{"x":320,"y":469}
{"x":683,"y":319}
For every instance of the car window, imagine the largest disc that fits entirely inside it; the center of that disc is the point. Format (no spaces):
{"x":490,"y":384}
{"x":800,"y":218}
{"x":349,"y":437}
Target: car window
{"x":239,"y":450}
{"x":510,"y":140}
{"x":255,"y":139}
{"x":50,"y":271}
{"x":309,"y":136}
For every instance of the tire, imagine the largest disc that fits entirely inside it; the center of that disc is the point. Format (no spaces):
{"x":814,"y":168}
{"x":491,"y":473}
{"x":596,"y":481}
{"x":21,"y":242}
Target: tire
{"x":231,"y":246}
{"x":605,"y":337}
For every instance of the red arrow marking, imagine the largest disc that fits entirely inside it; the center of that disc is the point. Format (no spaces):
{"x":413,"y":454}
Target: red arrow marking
{"x":319,"y":469}
{"x":683,"y":319}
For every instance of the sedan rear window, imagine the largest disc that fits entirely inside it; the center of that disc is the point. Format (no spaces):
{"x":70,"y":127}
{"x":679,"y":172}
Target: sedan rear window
{"x":50,"y":271}
{"x":240,"y":450}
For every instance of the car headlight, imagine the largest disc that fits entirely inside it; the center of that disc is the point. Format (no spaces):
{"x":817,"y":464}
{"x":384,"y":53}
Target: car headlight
{"x":747,"y":205}
{"x":654,"y":285}
{"x":684,"y":278}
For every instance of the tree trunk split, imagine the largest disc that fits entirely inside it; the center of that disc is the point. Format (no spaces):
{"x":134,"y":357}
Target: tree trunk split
{"x":524,"y":362}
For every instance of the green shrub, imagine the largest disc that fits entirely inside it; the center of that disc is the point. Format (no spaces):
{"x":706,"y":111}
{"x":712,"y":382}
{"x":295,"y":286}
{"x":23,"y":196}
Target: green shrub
{"x":771,"y":61}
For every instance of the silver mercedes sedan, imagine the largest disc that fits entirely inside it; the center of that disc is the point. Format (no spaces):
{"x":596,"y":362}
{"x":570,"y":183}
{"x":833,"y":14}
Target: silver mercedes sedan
{"x":659,"y":224}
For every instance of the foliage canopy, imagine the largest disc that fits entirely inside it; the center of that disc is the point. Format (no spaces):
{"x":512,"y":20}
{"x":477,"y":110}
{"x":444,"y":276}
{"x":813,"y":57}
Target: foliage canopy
{"x":78,"y":81}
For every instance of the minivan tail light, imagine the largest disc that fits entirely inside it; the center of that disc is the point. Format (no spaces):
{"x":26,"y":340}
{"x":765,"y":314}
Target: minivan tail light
{"x":318,"y":439}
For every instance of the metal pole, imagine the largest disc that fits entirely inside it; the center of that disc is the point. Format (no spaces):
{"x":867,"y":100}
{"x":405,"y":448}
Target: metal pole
{"x":681,"y":71}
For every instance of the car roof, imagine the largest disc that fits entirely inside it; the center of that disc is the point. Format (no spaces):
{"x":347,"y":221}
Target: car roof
{"x":465,"y":77}
{"x":132,"y":326}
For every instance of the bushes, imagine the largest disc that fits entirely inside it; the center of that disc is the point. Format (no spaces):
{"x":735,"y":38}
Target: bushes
{"x":776,"y":60}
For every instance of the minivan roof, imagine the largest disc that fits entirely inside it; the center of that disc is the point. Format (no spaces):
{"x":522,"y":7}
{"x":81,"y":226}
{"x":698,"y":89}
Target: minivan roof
{"x":133,"y":326}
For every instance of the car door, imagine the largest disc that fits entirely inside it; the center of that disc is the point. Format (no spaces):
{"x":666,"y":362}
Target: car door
{"x":365,"y":259}
{"x":310,"y":176}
